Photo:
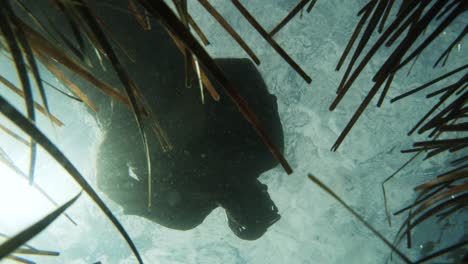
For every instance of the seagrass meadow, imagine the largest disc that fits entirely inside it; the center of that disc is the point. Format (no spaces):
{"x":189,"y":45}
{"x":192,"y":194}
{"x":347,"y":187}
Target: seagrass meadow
{"x":371,"y":95}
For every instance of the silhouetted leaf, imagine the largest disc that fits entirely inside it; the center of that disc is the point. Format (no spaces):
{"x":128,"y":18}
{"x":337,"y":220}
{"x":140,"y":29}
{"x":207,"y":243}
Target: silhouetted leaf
{"x":288,"y":18}
{"x":213,"y":12}
{"x":10,"y":32}
{"x":24,"y":236}
{"x":271,"y":41}
{"x":24,"y":124}
{"x":360,"y":218}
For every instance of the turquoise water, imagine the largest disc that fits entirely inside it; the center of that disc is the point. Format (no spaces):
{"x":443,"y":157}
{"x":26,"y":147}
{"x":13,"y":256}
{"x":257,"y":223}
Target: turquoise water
{"x":313,"y":228}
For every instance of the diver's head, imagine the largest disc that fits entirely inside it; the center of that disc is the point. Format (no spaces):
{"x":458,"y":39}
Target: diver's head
{"x":249,"y":210}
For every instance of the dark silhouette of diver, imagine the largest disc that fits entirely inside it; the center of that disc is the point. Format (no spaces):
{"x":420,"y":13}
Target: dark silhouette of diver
{"x":216,"y":156}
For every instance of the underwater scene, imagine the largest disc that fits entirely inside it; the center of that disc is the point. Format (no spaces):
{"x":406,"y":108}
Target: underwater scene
{"x":198,"y":131}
